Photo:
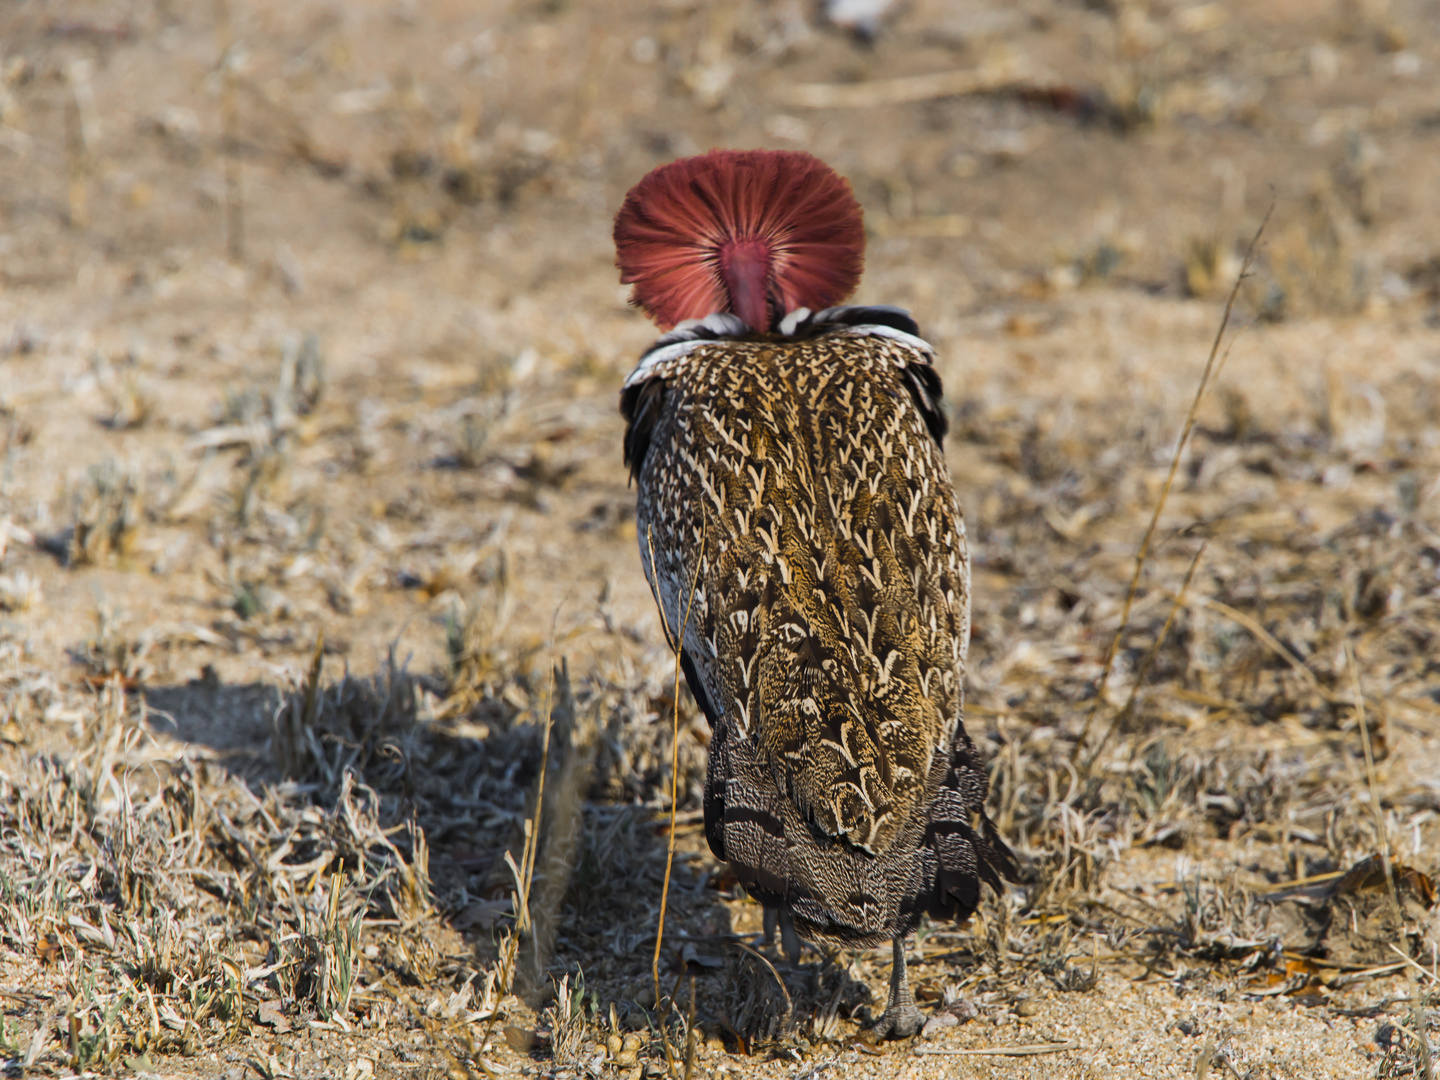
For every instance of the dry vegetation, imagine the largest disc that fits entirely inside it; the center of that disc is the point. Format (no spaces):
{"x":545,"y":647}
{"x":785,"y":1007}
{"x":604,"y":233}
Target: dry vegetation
{"x":337,"y":730}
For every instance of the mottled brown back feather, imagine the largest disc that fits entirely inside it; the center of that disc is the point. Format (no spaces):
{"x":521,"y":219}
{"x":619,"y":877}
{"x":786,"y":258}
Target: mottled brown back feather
{"x":804,"y":481}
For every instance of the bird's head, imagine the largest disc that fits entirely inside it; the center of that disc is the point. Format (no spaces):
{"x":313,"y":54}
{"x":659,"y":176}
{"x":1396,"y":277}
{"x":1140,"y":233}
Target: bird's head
{"x":755,"y":232}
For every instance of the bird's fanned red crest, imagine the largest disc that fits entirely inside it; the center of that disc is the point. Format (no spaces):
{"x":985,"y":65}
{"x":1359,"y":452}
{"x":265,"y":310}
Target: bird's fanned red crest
{"x":755,"y":232}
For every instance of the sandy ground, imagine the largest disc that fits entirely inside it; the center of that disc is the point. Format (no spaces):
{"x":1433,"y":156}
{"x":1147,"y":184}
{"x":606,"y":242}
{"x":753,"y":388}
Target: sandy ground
{"x":309,"y":326}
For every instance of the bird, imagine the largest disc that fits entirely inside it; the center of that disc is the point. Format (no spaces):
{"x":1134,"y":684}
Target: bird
{"x":801,"y":536}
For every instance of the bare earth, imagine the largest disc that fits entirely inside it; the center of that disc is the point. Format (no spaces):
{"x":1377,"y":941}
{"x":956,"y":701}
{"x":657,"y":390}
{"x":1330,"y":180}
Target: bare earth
{"x":317,"y":553}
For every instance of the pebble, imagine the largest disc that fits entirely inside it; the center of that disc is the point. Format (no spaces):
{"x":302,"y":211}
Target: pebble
{"x":938,"y":1024}
{"x":519,"y":1039}
{"x":626,"y":1051}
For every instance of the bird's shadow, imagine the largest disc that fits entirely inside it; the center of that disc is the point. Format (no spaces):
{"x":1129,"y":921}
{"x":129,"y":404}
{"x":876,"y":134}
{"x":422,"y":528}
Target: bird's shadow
{"x":470,"y":785}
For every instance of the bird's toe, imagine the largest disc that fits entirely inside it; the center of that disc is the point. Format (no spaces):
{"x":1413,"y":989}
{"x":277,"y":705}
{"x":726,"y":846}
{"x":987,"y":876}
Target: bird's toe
{"x":900,"y":1022}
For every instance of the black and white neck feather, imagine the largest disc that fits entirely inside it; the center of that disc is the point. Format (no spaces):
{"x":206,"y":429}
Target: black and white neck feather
{"x":802,"y":324}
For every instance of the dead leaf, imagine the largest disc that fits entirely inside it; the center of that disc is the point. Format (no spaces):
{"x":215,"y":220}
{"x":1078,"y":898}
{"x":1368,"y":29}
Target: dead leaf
{"x":272,"y":1016}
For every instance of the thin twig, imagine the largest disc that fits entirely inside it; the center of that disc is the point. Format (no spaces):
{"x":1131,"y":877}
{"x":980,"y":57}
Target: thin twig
{"x":1143,"y":672}
{"x":1411,"y":963}
{"x":230,"y":137}
{"x":1350,"y":978}
{"x":1029,"y":1050}
{"x":1207,"y":377}
{"x":679,"y":643}
{"x":905,"y":90}
{"x":789,"y":1007}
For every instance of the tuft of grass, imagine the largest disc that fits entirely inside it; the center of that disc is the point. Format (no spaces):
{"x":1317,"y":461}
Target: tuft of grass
{"x":111,"y":653}
{"x":132,"y":403}
{"x":19,"y":592}
{"x":302,"y":377}
{"x":264,"y":481}
{"x":756,"y":1008}
{"x":470,"y":453}
{"x":1314,"y":262}
{"x":568,"y":1022}
{"x":109,"y":510}
{"x":475,"y":635}
{"x":319,"y":962}
{"x":1210,"y":266}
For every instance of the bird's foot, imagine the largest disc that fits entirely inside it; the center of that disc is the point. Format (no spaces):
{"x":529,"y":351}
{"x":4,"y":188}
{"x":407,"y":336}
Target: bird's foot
{"x":899,"y":1022}
{"x":902,"y":1019}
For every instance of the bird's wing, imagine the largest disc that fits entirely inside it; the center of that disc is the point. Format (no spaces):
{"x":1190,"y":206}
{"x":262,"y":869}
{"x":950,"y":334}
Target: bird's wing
{"x":802,"y":489}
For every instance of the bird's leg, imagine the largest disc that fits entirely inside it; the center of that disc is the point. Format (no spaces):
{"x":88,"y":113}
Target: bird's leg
{"x":902,"y":1019}
{"x":789,"y":940}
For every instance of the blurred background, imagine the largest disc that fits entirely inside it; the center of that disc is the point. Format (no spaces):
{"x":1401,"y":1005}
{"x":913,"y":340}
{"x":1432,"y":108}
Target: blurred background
{"x":310,"y":341}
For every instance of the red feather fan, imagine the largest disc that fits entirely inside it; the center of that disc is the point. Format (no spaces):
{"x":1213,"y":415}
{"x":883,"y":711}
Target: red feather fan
{"x":754,"y":232}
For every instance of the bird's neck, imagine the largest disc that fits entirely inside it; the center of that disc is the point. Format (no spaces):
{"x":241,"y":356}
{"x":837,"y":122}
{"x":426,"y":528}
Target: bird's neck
{"x":746,"y":268}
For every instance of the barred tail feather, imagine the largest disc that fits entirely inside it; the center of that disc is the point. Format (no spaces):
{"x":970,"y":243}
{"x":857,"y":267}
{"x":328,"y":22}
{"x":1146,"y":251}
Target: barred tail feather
{"x":841,"y":894}
{"x":966,"y":846}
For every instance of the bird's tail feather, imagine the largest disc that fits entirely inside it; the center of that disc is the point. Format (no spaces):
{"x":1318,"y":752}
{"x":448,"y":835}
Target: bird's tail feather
{"x":966,"y":846}
{"x":839,"y":893}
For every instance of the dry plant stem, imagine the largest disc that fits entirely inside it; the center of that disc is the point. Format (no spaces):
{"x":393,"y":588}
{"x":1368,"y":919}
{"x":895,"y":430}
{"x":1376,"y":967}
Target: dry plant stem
{"x":1416,"y":1005}
{"x":562,"y":822}
{"x":1207,"y":377}
{"x":1144,"y":670}
{"x":789,"y":1006}
{"x":76,"y":164}
{"x":1202,"y":1063}
{"x":690,"y":1041}
{"x":1030,"y":1050}
{"x":525,"y":872}
{"x":1409,"y":962}
{"x":534,"y":838}
{"x":678,"y":641}
{"x":1267,"y":639}
{"x":905,"y":90}
{"x":230,"y":137}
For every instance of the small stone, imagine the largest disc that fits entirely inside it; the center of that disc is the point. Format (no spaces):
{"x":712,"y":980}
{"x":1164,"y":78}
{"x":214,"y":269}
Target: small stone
{"x":962,"y":1010}
{"x":1026,"y":1007}
{"x":938,"y":1024}
{"x":628,"y":1055}
{"x":519,"y":1039}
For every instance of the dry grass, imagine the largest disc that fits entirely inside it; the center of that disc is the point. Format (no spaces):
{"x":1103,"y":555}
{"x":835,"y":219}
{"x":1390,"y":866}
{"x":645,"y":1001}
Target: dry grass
{"x":419,"y":849}
{"x":307,"y":431}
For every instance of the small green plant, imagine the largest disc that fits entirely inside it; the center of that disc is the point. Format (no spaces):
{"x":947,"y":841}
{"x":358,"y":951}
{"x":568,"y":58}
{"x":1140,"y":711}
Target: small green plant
{"x":568,"y":1017}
